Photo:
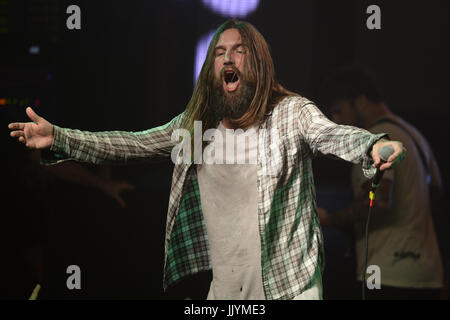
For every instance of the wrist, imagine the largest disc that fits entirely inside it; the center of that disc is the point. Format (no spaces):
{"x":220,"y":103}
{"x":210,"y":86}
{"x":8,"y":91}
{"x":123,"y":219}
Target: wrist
{"x":54,"y":138}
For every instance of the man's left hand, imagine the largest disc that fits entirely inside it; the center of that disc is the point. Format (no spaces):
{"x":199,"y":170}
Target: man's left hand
{"x":114,"y":190}
{"x":397,"y":157}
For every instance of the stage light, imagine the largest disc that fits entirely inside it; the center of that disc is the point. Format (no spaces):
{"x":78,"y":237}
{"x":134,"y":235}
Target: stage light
{"x":34,"y":50}
{"x":232,"y":8}
{"x":200,"y":55}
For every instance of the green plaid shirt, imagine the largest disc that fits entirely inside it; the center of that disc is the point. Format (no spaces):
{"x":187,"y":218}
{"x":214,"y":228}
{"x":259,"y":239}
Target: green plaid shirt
{"x":291,"y":237}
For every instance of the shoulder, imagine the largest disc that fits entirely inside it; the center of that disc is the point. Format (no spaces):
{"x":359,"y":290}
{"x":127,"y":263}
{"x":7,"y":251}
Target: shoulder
{"x":291,"y":105}
{"x":291,"y":112}
{"x":295,"y":101}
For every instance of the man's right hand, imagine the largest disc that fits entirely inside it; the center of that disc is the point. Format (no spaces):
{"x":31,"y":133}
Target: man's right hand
{"x":35,"y":135}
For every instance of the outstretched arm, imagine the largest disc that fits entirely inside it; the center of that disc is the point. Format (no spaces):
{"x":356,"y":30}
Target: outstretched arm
{"x":114,"y":147}
{"x":346,"y":142}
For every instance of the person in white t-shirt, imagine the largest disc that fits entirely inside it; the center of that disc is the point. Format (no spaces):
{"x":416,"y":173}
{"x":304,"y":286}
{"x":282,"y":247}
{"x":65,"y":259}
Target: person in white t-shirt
{"x":402,"y":237}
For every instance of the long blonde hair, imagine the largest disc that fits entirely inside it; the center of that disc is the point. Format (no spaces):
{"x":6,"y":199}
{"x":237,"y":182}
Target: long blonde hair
{"x":268,"y":92}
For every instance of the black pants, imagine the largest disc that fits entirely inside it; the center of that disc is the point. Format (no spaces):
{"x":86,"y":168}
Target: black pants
{"x":393,"y":293}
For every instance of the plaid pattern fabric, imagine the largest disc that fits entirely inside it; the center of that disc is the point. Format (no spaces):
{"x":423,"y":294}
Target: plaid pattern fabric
{"x":291,"y":238}
{"x":112,"y":147}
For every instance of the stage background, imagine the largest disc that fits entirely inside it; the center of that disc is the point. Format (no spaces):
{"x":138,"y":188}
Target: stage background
{"x":131,"y":67}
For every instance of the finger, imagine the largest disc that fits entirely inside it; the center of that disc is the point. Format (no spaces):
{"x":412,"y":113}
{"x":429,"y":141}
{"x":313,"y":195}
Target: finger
{"x":375,"y":155}
{"x":127,"y":186}
{"x":397,"y":156}
{"x":17,"y":134}
{"x":16,"y":126}
{"x":120,"y":201}
{"x":32,"y":115}
{"x":377,"y":163}
{"x":398,"y":159}
{"x":21,"y":139}
{"x":29,"y":145}
{"x":393,"y":157}
{"x":385,"y":166}
{"x":376,"y":158}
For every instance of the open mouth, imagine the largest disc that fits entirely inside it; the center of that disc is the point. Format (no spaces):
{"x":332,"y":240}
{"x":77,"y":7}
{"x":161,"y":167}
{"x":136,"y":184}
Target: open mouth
{"x":231,"y":80}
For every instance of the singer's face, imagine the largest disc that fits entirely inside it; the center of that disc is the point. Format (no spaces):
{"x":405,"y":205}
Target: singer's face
{"x":229,"y":60}
{"x":342,"y":112}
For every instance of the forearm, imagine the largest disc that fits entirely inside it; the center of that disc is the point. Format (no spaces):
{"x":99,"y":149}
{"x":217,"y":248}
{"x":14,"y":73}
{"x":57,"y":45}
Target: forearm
{"x":73,"y":172}
{"x":111,"y":147}
{"x":348,"y":143}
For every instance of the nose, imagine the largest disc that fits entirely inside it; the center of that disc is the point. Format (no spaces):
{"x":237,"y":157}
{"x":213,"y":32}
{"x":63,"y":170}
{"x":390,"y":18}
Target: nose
{"x":228,"y":60}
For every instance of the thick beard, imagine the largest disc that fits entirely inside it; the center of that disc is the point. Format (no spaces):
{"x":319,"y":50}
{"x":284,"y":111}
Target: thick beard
{"x":233,"y":105}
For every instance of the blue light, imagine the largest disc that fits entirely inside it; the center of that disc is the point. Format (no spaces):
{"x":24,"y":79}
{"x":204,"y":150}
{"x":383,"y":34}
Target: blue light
{"x":200,"y":54}
{"x":34,"y":50}
{"x":232,"y":8}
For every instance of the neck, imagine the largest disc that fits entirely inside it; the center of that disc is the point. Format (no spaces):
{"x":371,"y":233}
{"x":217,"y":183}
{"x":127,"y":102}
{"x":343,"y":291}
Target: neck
{"x":227,"y":124}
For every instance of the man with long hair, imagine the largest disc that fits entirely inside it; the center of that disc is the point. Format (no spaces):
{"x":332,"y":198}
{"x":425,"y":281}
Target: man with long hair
{"x":253,"y":222}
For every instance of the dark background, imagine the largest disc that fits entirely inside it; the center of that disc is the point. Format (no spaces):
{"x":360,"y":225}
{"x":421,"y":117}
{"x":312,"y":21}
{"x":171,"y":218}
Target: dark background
{"x":130,"y":67}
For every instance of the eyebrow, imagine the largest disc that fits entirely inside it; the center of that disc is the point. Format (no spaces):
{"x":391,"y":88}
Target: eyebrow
{"x":235,"y":46}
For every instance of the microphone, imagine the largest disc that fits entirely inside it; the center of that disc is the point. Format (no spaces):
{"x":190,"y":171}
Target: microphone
{"x":385,"y":153}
